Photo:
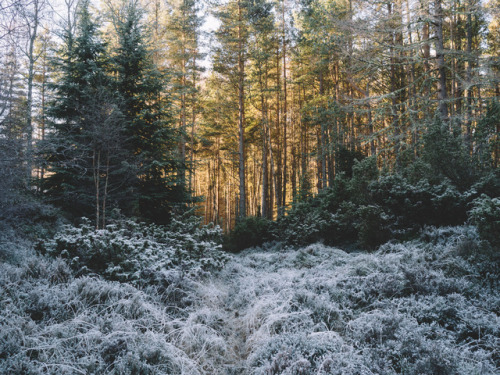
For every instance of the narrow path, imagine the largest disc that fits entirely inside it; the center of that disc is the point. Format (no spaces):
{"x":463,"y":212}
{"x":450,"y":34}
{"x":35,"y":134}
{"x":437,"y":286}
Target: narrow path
{"x":219,"y":295}
{"x":236,"y":325}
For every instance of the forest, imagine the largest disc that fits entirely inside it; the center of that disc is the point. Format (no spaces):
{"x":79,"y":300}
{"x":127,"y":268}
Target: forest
{"x":240,"y":108}
{"x":250,"y":187}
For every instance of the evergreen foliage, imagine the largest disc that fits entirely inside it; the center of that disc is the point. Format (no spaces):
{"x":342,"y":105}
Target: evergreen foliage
{"x":150,"y":139}
{"x":12,"y":129}
{"x":112,"y":143}
{"x":487,"y":137}
{"x":346,"y":159}
{"x":445,"y":152}
{"x":128,"y":251}
{"x":249,"y":232}
{"x":485,"y":214}
{"x":372,"y":207}
{"x":84,"y":121}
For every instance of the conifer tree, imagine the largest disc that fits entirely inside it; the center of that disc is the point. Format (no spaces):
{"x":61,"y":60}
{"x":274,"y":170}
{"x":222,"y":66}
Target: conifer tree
{"x":183,"y":55}
{"x":81,"y":114}
{"x":230,"y":60}
{"x":261,"y":53}
{"x":150,"y":137}
{"x":12,"y":107}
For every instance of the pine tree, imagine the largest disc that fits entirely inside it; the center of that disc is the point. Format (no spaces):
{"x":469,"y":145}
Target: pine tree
{"x":261,"y":54}
{"x":183,"y":56}
{"x":230,"y":60}
{"x":12,"y":111}
{"x":82,"y":147}
{"x":150,"y":137}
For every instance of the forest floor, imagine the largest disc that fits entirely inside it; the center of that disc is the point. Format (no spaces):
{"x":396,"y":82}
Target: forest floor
{"x":430,"y":306}
{"x":417,"y":308}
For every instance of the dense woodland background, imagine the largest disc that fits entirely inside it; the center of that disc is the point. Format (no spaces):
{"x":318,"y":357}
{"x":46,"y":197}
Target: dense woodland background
{"x":137,"y":106}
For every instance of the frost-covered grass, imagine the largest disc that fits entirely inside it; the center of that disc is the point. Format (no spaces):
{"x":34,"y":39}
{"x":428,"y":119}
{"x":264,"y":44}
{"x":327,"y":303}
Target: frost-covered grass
{"x":54,"y":323}
{"x":431,"y":306}
{"x":417,"y":308}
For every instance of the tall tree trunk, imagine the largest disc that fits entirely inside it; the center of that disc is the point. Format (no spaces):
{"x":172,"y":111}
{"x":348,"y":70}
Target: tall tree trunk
{"x":285,"y":118}
{"x":193,"y":122}
{"x":323,"y":136}
{"x":278,"y":179}
{"x":468,"y":134}
{"x":413,"y":93}
{"x":373,"y":150}
{"x":442,"y":93}
{"x":105,"y":195}
{"x":426,"y":44}
{"x":96,"y":161}
{"x":304,"y":149}
{"x":241,"y":117}
{"x":392,"y":65}
{"x":183,"y":103}
{"x":32,"y":32}
{"x":264,"y":147}
{"x":274,"y":177}
{"x":217,"y":183}
{"x":42,"y":123}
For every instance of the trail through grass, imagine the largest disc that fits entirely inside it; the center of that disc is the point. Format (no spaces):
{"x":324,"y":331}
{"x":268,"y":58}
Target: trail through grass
{"x":427,"y":307}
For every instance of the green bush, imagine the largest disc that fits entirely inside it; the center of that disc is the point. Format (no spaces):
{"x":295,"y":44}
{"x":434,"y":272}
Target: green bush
{"x":373,"y":226}
{"x":485,"y":214}
{"x":445,"y":152}
{"x":486,"y":136}
{"x":125,"y":249}
{"x":371,"y":207}
{"x":415,"y":205}
{"x":368,"y":209}
{"x":343,"y":227}
{"x":249,"y":232}
{"x":363,"y":174}
{"x":489,"y":184}
{"x":346,"y":159}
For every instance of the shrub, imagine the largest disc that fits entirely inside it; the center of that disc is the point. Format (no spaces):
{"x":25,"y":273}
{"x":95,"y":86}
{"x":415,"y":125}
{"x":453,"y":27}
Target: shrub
{"x":414,"y":205}
{"x":486,"y":136}
{"x":346,"y":159}
{"x":485,"y":214}
{"x":446,"y":153}
{"x":307,"y":222}
{"x":126,"y":248}
{"x":489,"y":184}
{"x":363,"y":173}
{"x":249,"y":232}
{"x":372,"y":226}
{"x":29,"y":217}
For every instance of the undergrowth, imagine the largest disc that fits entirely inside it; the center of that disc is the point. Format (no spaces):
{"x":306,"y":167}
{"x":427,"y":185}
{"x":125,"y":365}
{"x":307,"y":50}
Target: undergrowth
{"x":132,"y":251}
{"x":429,"y":306}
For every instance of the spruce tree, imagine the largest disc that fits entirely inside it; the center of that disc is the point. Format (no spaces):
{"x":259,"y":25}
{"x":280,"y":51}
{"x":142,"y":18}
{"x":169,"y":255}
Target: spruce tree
{"x":82,"y":149}
{"x":150,"y":137}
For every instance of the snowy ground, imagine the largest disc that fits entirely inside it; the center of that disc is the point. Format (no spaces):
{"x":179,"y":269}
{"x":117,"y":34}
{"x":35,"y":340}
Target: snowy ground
{"x":418,"y":308}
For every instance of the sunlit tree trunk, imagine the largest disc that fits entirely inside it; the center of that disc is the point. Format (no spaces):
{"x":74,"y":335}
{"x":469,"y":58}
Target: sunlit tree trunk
{"x":285,"y":110}
{"x":442,"y":92}
{"x":241,"y":114}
